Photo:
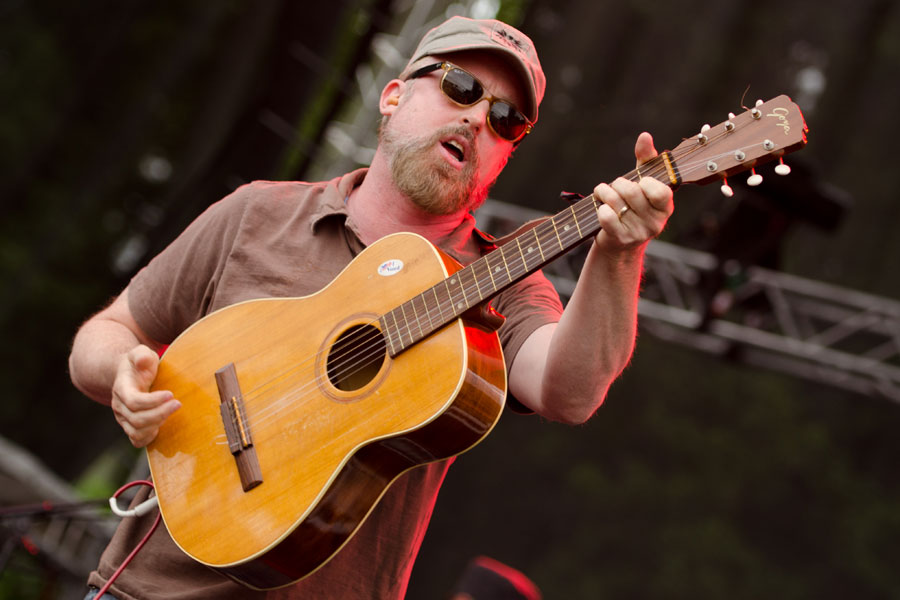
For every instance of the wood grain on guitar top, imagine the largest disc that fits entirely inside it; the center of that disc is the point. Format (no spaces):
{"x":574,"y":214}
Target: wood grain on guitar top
{"x":326,"y":454}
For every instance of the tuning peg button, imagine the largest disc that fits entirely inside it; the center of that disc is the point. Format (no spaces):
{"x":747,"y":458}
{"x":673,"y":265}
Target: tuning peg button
{"x":782,"y":169}
{"x":726,"y":189}
{"x":754,"y":179}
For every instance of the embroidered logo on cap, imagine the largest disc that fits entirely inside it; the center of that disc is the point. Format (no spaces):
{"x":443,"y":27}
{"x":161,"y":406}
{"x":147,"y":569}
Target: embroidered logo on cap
{"x":506,"y":37}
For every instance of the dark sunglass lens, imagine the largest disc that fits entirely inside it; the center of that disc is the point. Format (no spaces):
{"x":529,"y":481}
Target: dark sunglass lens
{"x":462,"y":87}
{"x":507,"y":121}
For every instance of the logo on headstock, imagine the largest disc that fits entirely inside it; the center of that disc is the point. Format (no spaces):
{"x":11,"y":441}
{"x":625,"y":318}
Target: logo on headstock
{"x":781,"y":114}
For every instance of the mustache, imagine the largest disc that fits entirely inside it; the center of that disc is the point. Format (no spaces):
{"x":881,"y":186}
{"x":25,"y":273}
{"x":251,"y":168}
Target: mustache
{"x":461,"y":131}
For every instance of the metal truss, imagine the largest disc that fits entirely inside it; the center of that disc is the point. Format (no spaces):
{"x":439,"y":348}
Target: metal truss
{"x":42,"y":514}
{"x":753,"y":316}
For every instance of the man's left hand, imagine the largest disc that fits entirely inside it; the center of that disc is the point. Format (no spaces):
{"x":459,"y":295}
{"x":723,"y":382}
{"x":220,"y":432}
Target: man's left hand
{"x":632,"y":213}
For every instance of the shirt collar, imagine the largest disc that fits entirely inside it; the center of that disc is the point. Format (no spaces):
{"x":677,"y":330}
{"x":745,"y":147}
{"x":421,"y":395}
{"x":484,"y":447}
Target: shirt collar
{"x":333,"y":201}
{"x":465,"y":243}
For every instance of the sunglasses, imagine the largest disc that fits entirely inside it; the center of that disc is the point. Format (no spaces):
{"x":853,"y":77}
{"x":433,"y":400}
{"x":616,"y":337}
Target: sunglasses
{"x":464,"y":89}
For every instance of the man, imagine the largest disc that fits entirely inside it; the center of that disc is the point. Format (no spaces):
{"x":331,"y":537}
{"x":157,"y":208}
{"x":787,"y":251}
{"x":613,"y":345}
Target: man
{"x":451,"y":120}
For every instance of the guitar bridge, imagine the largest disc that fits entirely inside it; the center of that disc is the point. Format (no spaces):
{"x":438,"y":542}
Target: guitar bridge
{"x":237,"y":429}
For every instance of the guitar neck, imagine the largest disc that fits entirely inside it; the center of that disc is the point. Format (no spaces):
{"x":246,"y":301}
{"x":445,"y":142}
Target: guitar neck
{"x":492,"y":273}
{"x":764,"y":132}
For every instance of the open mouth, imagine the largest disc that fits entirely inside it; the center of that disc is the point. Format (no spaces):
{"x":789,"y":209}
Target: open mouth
{"x":454,"y":148}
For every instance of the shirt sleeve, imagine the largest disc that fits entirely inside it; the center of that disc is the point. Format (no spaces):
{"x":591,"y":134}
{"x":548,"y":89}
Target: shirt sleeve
{"x":527,"y":306}
{"x":176,"y":287}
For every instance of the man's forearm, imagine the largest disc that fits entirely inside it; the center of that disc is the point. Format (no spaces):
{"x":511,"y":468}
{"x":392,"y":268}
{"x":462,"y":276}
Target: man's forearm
{"x":594,"y":339}
{"x":96,"y":351}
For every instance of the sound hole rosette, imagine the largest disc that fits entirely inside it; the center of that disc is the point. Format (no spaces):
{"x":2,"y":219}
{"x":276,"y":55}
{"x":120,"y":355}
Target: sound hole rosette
{"x":353,"y":360}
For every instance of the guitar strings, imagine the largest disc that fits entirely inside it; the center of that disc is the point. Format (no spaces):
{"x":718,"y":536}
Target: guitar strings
{"x":341,"y":366}
{"x":373,"y":339}
{"x":371,"y":347}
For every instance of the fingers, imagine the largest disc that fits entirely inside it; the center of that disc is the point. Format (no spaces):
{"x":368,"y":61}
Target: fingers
{"x":644,"y":149}
{"x":139,"y":411}
{"x":632,"y":213}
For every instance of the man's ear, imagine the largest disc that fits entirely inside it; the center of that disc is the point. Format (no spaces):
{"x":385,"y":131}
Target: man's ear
{"x":390,"y":96}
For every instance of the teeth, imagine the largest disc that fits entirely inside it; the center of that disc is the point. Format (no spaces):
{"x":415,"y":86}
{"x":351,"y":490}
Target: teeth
{"x":456,"y":146}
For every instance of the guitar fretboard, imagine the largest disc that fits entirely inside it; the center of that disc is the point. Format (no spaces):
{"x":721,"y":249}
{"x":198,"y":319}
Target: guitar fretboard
{"x":492,"y":273}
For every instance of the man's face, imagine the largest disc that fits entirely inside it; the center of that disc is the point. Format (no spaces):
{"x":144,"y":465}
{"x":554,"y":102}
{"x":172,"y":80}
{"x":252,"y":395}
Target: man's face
{"x":444,"y":156}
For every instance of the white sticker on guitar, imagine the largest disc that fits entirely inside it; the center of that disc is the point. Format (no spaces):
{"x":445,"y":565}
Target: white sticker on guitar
{"x":390,"y":267}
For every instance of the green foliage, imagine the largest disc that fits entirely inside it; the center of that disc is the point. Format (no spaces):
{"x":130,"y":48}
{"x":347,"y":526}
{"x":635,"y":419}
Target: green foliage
{"x":513,"y":11}
{"x":108,"y":471}
{"x":23,"y":579}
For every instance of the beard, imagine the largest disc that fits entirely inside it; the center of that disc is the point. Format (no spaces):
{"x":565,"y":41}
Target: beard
{"x":432,"y":184}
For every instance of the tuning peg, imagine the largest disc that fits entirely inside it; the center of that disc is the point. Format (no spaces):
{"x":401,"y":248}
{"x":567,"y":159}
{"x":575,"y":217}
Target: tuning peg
{"x":755,"y":112}
{"x":781,"y":168}
{"x":701,"y":137}
{"x":754,"y":179}
{"x":726,"y":189}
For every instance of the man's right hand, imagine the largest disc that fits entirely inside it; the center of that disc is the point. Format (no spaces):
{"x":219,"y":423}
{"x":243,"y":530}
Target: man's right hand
{"x":139,"y":411}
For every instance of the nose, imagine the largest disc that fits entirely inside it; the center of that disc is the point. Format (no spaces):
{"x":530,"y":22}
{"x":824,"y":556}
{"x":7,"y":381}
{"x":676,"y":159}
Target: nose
{"x":476,"y":115}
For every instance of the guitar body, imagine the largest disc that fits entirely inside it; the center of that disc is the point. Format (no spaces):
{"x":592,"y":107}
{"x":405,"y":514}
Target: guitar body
{"x":327,"y":447}
{"x":323,"y":418}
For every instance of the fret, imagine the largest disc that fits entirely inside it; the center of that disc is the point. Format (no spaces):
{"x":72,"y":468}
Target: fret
{"x":556,"y":233}
{"x":385,"y":328}
{"x":525,"y":255}
{"x":397,"y":329}
{"x":438,"y":302}
{"x":490,"y":273}
{"x":521,"y":254}
{"x":412,"y":306}
{"x":482,"y":265}
{"x":406,"y":320}
{"x":575,"y":219}
{"x":470,"y":271}
{"x":427,"y":311}
{"x":564,"y":230}
{"x":593,"y":215}
{"x":505,"y":264}
{"x":449,"y":297}
{"x":456,"y":307}
{"x":431,"y":326}
{"x":457,"y":281}
{"x":538,"y":242}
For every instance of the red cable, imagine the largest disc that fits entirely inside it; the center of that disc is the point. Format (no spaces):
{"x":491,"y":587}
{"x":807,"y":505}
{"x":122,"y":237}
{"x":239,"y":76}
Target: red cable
{"x":139,"y":546}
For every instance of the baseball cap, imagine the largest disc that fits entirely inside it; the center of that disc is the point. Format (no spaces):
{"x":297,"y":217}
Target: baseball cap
{"x":457,"y":34}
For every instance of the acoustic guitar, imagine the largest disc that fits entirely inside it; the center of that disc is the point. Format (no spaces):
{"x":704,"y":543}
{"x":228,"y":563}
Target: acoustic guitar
{"x":298,"y":413}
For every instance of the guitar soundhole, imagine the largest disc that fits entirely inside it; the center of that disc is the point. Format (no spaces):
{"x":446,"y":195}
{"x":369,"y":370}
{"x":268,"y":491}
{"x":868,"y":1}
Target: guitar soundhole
{"x":356,"y":357}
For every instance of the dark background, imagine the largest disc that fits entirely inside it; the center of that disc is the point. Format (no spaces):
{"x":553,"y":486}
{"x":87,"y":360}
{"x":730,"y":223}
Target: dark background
{"x":121,"y":120}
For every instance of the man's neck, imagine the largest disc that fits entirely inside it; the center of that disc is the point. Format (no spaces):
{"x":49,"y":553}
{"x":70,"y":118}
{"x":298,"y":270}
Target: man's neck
{"x":378,"y":209}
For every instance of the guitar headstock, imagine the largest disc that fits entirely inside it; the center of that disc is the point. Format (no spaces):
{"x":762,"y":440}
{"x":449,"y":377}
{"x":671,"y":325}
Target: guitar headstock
{"x":742,"y":142}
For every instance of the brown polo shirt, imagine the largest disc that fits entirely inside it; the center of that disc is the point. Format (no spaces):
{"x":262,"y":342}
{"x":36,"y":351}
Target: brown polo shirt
{"x":278,"y":239}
